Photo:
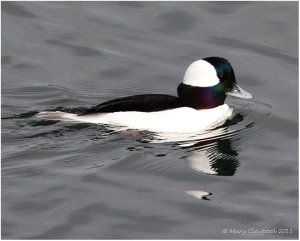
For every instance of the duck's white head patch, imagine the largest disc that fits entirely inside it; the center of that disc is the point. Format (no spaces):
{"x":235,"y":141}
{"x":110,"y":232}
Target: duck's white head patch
{"x":201,"y":74}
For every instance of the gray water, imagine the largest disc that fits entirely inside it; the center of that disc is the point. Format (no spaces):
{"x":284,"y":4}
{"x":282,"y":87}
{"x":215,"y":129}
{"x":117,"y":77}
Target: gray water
{"x":82,"y":181}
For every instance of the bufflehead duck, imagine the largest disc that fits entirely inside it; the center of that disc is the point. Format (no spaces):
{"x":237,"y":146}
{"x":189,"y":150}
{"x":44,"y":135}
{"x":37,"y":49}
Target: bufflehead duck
{"x":199,"y":105}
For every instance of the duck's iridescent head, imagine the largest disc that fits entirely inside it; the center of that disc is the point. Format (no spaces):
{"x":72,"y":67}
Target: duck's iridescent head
{"x":207,"y":82}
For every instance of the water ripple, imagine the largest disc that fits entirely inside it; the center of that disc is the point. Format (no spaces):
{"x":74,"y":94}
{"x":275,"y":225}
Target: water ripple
{"x":257,"y":48}
{"x":16,"y":10}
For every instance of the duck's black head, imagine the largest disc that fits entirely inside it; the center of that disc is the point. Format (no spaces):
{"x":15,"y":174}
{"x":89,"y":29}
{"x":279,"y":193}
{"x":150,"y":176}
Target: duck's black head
{"x":207,"y":82}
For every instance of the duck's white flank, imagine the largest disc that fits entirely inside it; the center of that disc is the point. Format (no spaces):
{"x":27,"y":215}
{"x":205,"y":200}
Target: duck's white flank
{"x":180,"y":120}
{"x":201,"y":74}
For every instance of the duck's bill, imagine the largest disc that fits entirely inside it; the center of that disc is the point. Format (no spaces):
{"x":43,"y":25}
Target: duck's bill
{"x":238,"y":92}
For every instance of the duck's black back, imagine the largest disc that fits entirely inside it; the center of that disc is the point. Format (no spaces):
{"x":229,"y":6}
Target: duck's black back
{"x":142,"y":103}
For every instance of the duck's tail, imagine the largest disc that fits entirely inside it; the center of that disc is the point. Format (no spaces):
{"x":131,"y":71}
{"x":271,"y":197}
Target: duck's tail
{"x":58,"y":115}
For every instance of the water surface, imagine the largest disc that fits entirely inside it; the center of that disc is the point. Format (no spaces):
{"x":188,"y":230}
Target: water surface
{"x":84,"y":181}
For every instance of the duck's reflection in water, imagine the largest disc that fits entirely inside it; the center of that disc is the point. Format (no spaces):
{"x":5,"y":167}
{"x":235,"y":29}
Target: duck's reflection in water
{"x":214,"y":152}
{"x":219,"y":157}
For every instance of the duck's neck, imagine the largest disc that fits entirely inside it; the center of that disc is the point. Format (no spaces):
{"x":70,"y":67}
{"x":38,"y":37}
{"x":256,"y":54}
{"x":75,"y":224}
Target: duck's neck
{"x":200,"y":97}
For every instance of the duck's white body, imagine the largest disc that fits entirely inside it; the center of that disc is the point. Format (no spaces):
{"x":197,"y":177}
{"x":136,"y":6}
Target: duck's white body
{"x":179,"y":120}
